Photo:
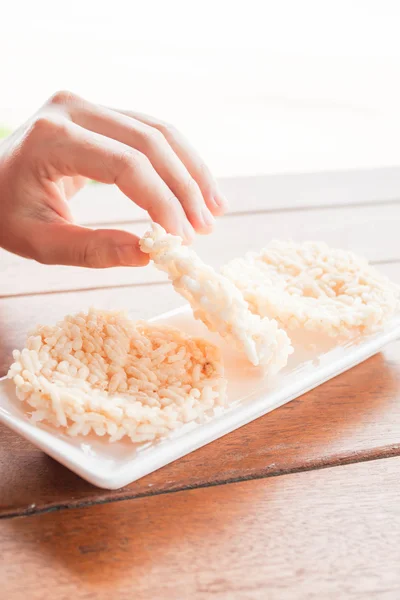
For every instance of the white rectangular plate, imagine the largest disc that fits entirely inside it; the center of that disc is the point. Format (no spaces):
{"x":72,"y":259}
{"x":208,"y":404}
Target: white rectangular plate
{"x":111,"y":466}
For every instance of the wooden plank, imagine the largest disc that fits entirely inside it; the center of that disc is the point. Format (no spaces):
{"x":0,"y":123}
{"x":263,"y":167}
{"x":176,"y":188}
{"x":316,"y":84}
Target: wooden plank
{"x":288,"y":191}
{"x":371,"y":231}
{"x":353,"y":417}
{"x":330,"y":533}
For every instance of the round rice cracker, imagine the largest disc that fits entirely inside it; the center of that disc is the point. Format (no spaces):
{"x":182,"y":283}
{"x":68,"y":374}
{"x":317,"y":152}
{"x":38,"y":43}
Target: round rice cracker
{"x":101,"y":372}
{"x":313,"y":286}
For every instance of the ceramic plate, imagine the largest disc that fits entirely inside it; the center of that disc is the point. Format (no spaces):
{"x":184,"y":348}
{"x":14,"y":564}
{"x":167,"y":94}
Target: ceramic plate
{"x":316,"y":359}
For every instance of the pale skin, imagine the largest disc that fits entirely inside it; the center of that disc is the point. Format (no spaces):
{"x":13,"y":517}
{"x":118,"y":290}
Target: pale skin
{"x":70,"y":141}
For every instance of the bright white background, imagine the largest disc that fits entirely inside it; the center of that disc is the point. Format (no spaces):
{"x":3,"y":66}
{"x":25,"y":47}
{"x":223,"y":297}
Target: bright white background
{"x":259,"y":86}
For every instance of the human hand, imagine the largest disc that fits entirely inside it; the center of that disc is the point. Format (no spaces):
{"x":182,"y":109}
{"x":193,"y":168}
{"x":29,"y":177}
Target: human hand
{"x":69,"y":141}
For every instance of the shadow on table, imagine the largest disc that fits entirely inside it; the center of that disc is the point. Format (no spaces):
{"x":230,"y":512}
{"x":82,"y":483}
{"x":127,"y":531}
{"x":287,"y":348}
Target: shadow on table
{"x":119,"y":543}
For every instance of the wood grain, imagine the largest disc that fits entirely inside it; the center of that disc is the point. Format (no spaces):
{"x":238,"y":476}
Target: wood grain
{"x":369,"y":230}
{"x":329,"y":534}
{"x":288,"y":191}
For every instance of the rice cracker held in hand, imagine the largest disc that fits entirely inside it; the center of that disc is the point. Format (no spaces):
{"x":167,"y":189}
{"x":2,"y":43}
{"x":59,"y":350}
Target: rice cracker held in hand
{"x":217,"y":302}
{"x":316,"y":287}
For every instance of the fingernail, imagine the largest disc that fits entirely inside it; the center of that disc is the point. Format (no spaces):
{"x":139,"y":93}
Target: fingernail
{"x":221,"y":201}
{"x":207,"y":218}
{"x":187,"y":232}
{"x":129,"y":256}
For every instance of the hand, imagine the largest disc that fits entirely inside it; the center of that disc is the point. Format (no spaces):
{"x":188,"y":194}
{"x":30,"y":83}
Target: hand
{"x":69,"y":141}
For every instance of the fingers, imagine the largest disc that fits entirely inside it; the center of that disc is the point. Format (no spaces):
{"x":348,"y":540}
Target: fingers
{"x":213,"y":197}
{"x":151,"y":142}
{"x":66,"y":244}
{"x":171,"y":155}
{"x":61,"y":148}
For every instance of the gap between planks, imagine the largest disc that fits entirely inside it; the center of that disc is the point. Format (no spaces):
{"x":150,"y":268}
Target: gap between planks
{"x":91,"y":289}
{"x":329,"y":534}
{"x":369,"y":456}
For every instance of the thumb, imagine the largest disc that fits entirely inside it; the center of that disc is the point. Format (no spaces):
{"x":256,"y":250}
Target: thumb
{"x":67,"y":244}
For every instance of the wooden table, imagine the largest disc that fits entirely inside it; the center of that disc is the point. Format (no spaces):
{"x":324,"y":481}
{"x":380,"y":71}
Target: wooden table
{"x":302,"y":503}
